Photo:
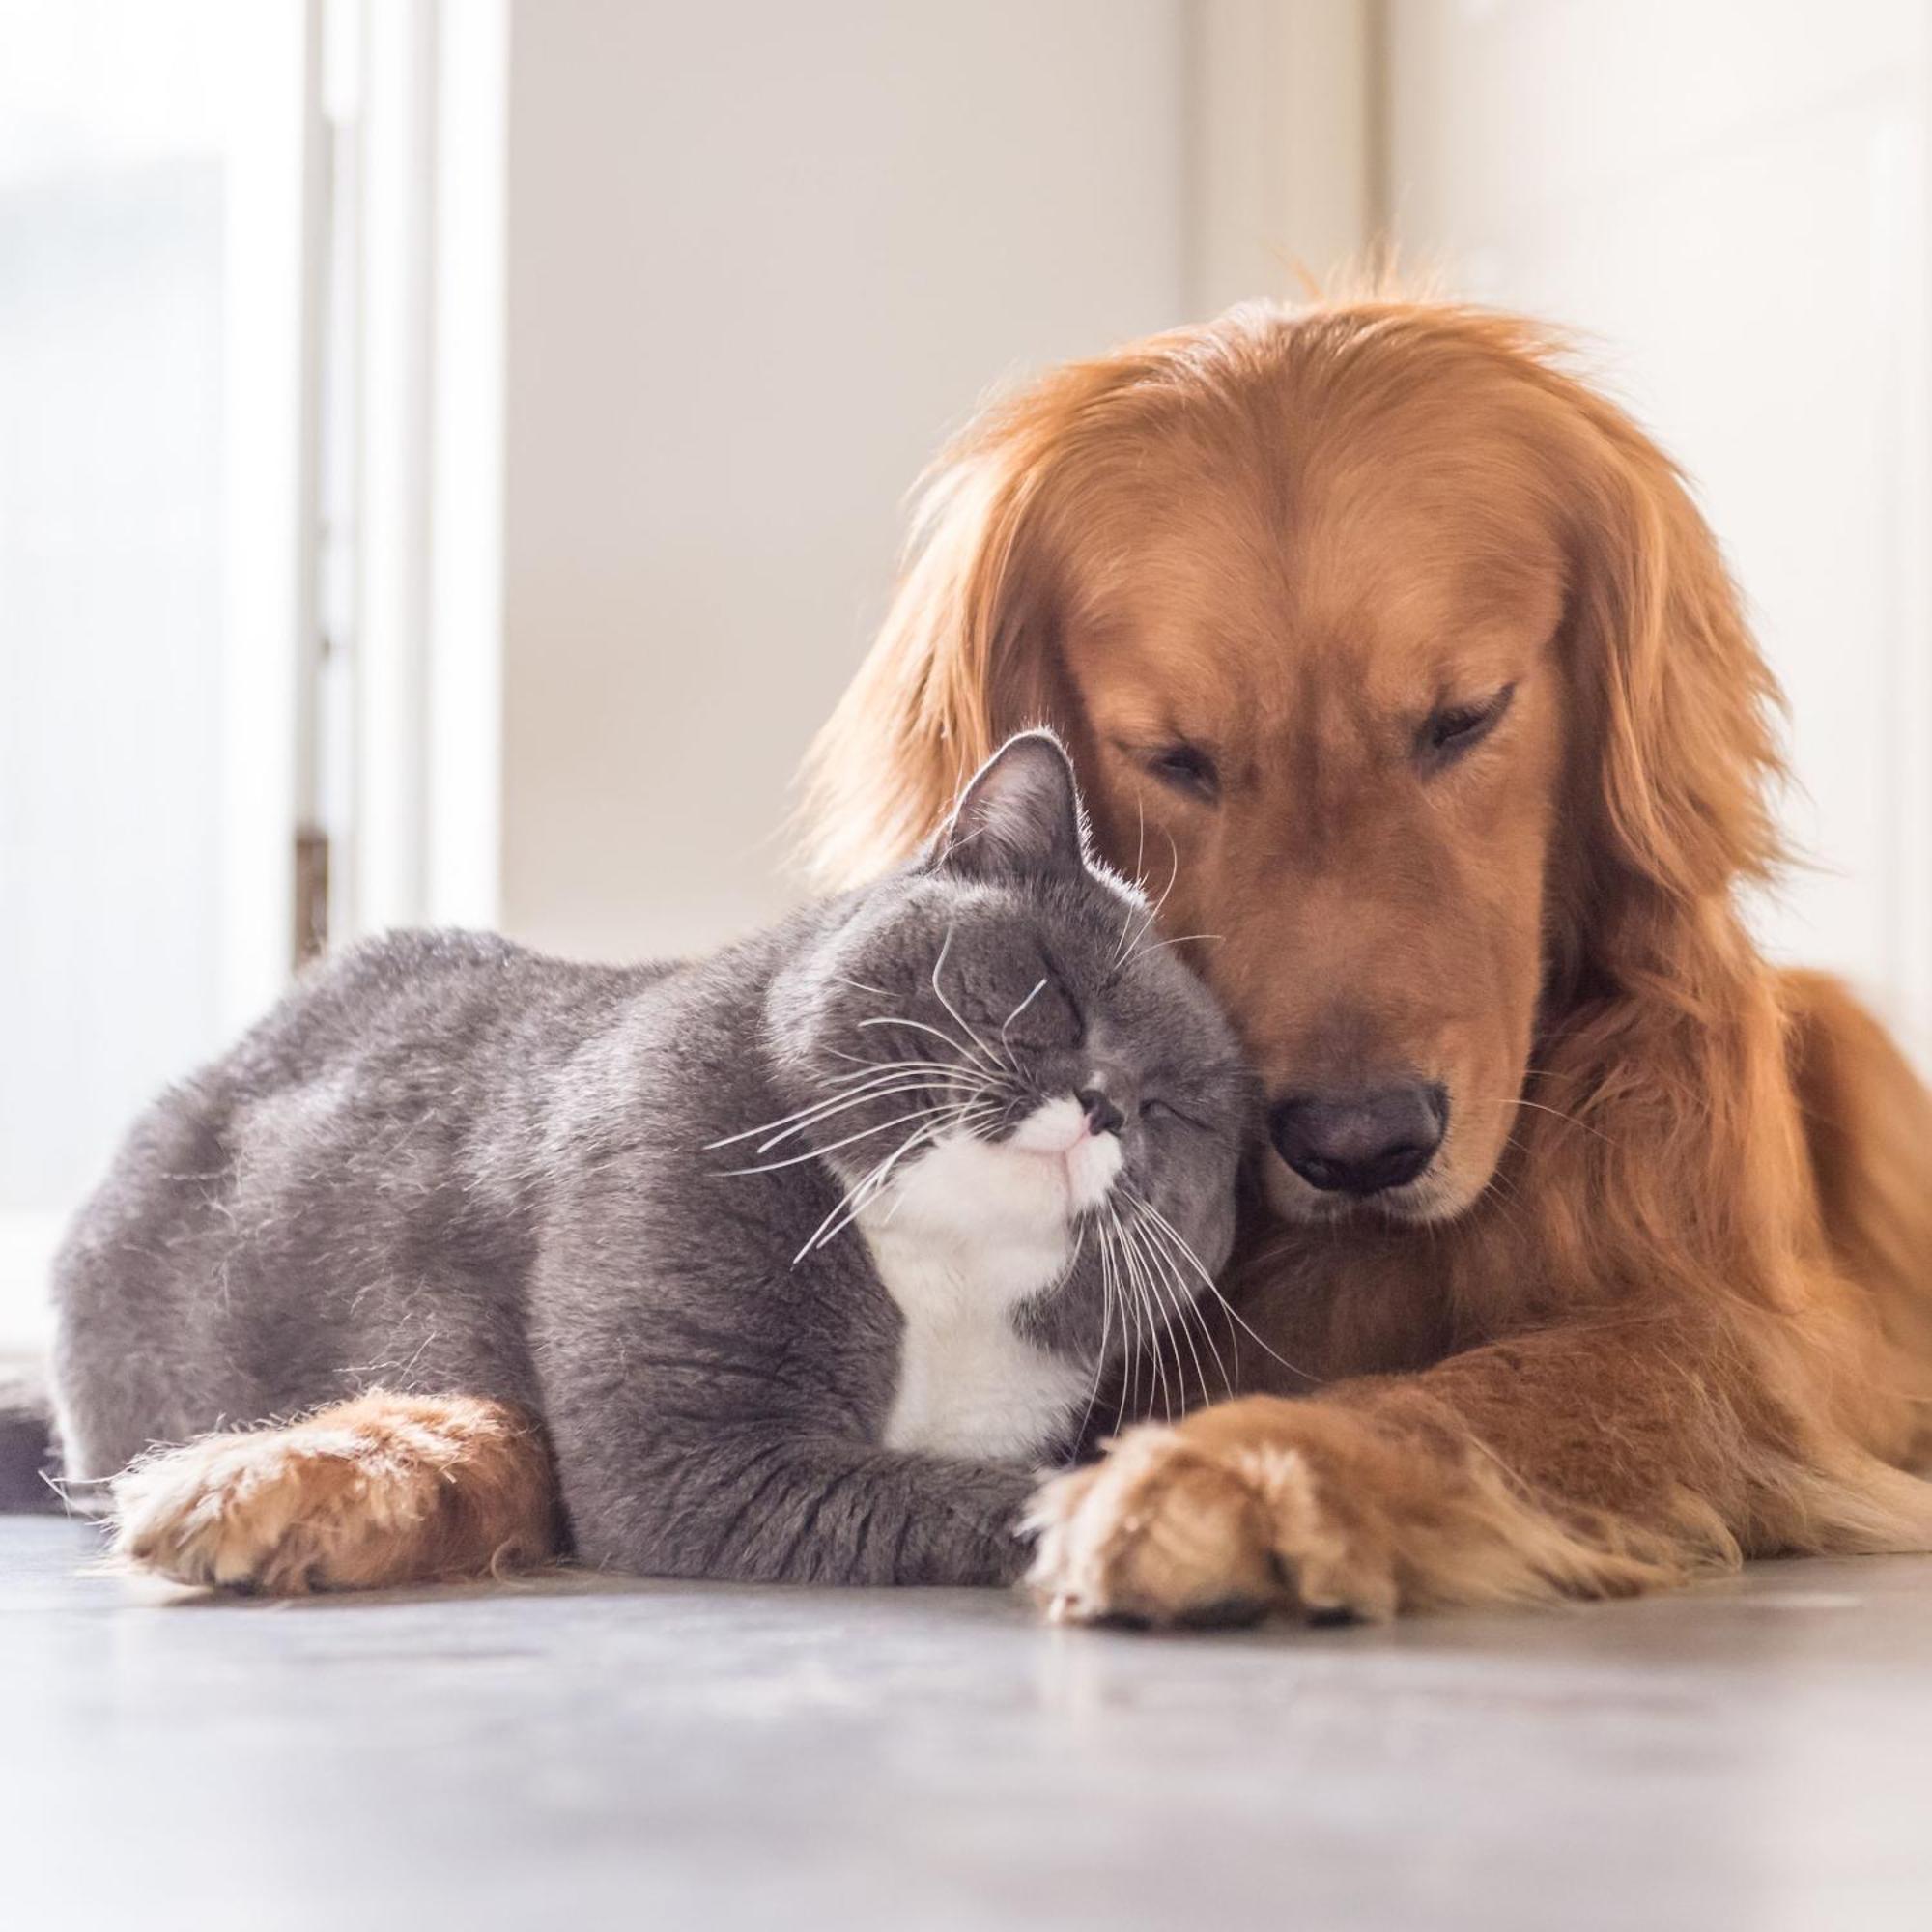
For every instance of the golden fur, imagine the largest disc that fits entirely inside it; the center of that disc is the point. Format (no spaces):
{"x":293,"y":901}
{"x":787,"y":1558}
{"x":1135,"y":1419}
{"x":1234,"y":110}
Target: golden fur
{"x":381,"y":1490}
{"x":1665,"y":1298}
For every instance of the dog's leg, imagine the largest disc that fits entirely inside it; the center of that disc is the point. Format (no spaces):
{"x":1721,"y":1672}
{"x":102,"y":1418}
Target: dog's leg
{"x":1868,"y":1128}
{"x":1582,"y":1464}
{"x":383,"y":1489}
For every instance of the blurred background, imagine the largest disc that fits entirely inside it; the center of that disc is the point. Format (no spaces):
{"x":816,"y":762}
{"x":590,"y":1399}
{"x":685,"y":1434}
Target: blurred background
{"x":452,"y":451}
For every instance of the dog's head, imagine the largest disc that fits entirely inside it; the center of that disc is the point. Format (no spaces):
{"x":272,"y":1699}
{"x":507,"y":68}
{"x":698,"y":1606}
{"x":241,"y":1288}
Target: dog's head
{"x":1398,"y":663}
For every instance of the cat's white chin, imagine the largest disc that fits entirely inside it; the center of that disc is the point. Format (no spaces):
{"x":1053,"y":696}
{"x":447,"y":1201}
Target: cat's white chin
{"x":1057,"y":1134}
{"x":967,"y":1231}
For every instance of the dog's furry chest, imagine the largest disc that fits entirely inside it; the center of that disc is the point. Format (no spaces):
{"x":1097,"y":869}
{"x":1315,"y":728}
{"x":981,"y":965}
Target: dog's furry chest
{"x":960,"y":1246}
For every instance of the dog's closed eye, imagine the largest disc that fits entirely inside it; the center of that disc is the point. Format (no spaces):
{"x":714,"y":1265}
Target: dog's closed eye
{"x":1184,"y":767}
{"x":1451,"y":730}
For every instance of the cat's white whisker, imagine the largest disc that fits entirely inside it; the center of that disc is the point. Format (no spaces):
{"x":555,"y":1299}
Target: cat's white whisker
{"x":969,"y":1056}
{"x":1186,"y":1253}
{"x":852,"y":1201}
{"x":880,"y":1081}
{"x":1130,"y":1392}
{"x":1159,"y":906}
{"x":1130,"y":1358}
{"x":880,"y":1077}
{"x":1109,"y":1295}
{"x":849,"y":1097}
{"x":1173,"y":1295}
{"x":1137,"y":898}
{"x":959,"y":1019}
{"x":1180,"y":939}
{"x":863,"y":1191}
{"x":1198,"y":1312}
{"x":965,"y":1121}
{"x":1006,"y":1047}
{"x":873,"y":1068}
{"x":857,"y":1100}
{"x":1169,"y":1335}
{"x":1137,"y":1282}
{"x":1185,"y":1301}
{"x":1164,"y":1234}
{"x":1106,"y":1333}
{"x":831,"y":1147}
{"x":831,"y":1110}
{"x":1038,"y":986}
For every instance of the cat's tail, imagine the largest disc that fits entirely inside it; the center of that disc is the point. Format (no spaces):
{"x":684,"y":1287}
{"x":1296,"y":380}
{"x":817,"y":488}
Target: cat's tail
{"x":28,"y":1461}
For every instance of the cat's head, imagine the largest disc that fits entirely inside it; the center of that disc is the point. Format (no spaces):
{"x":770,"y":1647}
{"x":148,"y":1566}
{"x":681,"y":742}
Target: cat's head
{"x":1002,"y":1043}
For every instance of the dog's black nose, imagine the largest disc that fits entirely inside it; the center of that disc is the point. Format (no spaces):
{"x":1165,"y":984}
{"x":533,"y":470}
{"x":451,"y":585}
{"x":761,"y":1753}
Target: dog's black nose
{"x":1102,"y":1115}
{"x":1361,"y":1141}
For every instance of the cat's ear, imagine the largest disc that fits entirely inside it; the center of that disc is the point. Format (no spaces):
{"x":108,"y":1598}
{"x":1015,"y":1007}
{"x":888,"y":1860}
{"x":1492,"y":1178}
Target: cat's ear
{"x":1019,"y":816}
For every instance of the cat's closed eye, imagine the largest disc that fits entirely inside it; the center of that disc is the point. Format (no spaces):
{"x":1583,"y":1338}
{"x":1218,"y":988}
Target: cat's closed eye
{"x":1047,"y":1017}
{"x":1156,"y":1107}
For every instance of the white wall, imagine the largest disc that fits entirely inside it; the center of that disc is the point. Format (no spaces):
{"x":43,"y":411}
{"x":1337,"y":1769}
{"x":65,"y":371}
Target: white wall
{"x":1731,"y":196}
{"x":761,"y":256}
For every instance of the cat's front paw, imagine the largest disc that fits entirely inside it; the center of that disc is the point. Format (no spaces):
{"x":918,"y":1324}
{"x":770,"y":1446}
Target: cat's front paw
{"x":383,"y":1489}
{"x":1202,"y":1526}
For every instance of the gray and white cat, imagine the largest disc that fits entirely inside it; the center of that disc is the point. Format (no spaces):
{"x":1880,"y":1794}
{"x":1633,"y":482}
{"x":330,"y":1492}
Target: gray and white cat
{"x":808,"y":1255}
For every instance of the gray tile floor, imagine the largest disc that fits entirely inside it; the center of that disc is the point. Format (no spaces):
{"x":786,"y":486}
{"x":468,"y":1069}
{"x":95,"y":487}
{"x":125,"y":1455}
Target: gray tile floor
{"x":1757,"y":1753}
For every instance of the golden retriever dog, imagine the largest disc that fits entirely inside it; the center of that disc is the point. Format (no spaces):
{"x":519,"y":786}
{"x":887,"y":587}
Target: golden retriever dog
{"x":1590,"y":1251}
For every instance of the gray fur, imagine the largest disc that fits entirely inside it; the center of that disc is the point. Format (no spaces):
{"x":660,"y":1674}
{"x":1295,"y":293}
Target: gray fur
{"x":27,"y":1464}
{"x":446,"y":1164}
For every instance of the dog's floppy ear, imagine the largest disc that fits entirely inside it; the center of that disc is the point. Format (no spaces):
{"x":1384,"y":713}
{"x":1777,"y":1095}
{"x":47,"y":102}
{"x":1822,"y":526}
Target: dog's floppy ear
{"x":1019,"y":817}
{"x":948,"y":676}
{"x":1672,"y":689}
{"x":969,"y":652}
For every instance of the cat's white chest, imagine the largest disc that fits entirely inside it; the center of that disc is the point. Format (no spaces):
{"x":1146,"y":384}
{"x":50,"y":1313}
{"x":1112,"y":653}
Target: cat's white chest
{"x":971,"y":1233}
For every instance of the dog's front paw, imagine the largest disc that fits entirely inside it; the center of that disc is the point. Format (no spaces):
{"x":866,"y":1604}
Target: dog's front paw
{"x":1204,"y":1525}
{"x":279,"y":1510}
{"x":383,"y":1490}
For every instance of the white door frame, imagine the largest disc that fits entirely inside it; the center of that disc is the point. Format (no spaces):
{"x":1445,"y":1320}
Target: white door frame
{"x":275,"y":215}
{"x":414,"y":811}
{"x":1285,"y":145}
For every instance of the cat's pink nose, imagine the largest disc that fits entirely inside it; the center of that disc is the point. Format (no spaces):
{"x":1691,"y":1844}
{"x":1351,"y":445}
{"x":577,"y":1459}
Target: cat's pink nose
{"x":1102,"y":1115}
